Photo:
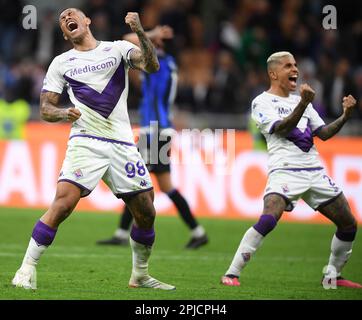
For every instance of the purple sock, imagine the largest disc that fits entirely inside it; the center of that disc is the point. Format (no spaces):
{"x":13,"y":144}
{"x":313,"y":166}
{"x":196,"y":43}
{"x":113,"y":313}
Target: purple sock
{"x":266,"y":223}
{"x":43,"y":234}
{"x":146,"y":237}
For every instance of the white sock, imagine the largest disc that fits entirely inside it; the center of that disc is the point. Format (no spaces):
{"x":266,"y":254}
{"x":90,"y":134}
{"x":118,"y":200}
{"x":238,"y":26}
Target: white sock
{"x":251,"y":241}
{"x":340,"y":253}
{"x":140,"y":255}
{"x":33,"y":253}
{"x":121,"y":234}
{"x":198,"y":232}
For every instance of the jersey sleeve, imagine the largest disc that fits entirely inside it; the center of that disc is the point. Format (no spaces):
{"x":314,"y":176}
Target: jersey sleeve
{"x":265,"y":116}
{"x":54,"y":80}
{"x":125,"y":47}
{"x":316,"y":122}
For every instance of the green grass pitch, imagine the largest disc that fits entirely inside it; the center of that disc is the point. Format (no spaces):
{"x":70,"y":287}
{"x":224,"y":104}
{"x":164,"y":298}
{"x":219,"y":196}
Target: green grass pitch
{"x":287,"y":266}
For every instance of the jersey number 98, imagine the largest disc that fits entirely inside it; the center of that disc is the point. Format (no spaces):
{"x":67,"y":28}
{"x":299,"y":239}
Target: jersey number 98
{"x":133,"y":169}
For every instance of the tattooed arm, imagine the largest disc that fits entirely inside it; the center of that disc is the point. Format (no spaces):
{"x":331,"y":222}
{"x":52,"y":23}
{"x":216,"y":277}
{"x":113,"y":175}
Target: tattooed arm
{"x":51,"y":112}
{"x":286,"y":125}
{"x":146,"y":58}
{"x":328,"y":131}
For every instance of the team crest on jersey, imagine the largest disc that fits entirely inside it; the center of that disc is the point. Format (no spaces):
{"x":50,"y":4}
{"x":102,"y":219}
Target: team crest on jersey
{"x":78,"y":173}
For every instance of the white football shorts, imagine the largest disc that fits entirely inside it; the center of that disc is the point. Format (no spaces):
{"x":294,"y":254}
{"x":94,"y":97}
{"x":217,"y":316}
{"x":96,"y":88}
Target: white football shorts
{"x":119,"y":164}
{"x":315,"y":187}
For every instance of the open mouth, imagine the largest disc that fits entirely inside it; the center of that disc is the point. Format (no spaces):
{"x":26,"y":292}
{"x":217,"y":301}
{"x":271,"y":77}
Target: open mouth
{"x":293,"y":79}
{"x":72,"y":26}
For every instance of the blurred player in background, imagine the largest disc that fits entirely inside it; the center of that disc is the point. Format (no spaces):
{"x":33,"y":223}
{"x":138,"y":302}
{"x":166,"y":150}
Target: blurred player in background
{"x":101,"y":144}
{"x":158,"y":94}
{"x":295,"y":171}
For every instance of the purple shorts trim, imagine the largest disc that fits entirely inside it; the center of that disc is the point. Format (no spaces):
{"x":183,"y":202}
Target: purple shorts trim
{"x":103,"y":139}
{"x":289,"y":204}
{"x":132,"y":193}
{"x":297,"y":169}
{"x":327,"y":202}
{"x":84,"y":191}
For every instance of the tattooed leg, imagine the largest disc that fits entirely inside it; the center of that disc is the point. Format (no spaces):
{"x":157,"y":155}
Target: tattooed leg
{"x":340,"y":213}
{"x":274,"y":205}
{"x":143,"y":211}
{"x":141,"y":241}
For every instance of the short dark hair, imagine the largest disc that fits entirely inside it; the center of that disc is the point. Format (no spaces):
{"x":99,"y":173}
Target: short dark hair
{"x":76,"y":9}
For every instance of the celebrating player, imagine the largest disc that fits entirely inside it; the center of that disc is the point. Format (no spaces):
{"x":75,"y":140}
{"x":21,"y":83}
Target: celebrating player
{"x":158,"y":93}
{"x":289,"y":123}
{"x":101,"y":144}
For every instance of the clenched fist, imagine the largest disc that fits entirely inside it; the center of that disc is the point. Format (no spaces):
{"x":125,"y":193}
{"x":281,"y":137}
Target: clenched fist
{"x":133,"y":20}
{"x":348,"y":104}
{"x":72,"y":114}
{"x":307,"y":93}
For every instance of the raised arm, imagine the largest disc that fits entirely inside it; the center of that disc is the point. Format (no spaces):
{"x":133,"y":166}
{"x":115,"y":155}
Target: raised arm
{"x":328,"y":131}
{"x":283,"y":127}
{"x":50,"y":110}
{"x":146,"y":58}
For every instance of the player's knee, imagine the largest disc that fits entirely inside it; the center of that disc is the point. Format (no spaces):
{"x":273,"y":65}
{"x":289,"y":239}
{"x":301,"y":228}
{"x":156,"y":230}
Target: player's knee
{"x":149,"y":216}
{"x":266,"y":223}
{"x":145,"y":219}
{"x":143,"y":211}
{"x":145,"y":216}
{"x":63,"y":207}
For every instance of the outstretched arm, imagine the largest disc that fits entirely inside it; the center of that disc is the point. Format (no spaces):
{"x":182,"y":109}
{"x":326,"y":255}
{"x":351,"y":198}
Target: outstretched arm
{"x":146,"y":58}
{"x":51,"y":112}
{"x":283,"y":127}
{"x":328,"y":131}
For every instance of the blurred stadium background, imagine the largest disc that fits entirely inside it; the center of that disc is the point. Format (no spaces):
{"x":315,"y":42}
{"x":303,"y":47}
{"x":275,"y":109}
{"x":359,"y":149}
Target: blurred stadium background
{"x":221,"y":49}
